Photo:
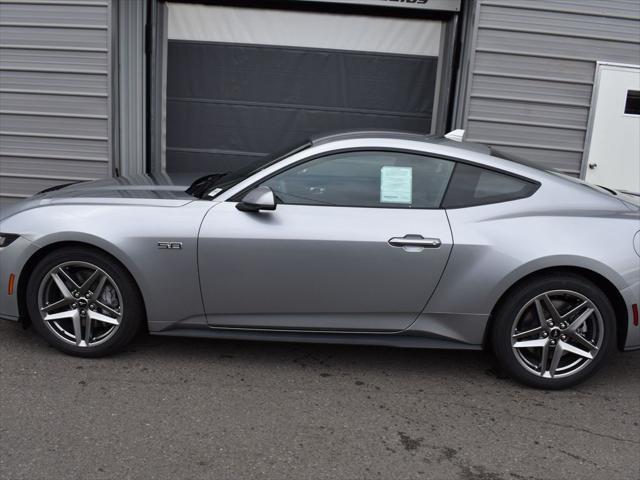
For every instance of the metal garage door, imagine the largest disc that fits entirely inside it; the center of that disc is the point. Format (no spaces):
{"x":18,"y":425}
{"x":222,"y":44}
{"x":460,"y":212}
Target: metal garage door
{"x":244,"y":82}
{"x":53,"y":94}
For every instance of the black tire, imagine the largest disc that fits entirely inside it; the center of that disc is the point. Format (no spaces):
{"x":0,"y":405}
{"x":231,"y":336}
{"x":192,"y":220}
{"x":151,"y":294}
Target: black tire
{"x":132,"y":310}
{"x":516,"y":303}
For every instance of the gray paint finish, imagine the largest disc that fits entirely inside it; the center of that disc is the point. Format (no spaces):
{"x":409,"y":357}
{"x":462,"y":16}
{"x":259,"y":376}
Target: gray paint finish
{"x":54,"y":89}
{"x":241,"y":257}
{"x":532,"y":73}
{"x":282,"y":271}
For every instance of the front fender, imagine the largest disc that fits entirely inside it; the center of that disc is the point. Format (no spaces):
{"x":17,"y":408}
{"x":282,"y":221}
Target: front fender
{"x":167,"y":279}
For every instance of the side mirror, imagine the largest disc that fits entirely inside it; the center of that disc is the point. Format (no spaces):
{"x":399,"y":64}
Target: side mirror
{"x":261,"y":198}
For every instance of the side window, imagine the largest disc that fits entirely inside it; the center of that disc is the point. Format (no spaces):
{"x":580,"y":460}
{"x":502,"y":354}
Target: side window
{"x":478,"y":186}
{"x":632,"y":105}
{"x":365,"y":179}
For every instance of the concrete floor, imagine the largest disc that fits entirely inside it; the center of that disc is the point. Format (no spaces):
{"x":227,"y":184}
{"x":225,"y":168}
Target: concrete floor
{"x":197,"y":409}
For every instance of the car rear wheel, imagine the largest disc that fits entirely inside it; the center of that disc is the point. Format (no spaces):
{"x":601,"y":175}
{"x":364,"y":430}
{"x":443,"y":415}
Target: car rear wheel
{"x":554,"y":331}
{"x":83,"y":302}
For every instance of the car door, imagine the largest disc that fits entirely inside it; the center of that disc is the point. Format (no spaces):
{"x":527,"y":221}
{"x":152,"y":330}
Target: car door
{"x":357,"y":243}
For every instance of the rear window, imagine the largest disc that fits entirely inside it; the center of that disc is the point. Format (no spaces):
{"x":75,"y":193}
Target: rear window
{"x":471,"y":185}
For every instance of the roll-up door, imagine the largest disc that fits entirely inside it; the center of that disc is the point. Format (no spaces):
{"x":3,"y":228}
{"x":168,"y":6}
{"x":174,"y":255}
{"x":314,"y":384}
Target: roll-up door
{"x":244,"y":82}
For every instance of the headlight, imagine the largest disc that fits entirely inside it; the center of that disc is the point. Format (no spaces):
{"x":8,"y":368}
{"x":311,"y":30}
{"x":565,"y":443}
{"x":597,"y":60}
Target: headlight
{"x":7,"y":239}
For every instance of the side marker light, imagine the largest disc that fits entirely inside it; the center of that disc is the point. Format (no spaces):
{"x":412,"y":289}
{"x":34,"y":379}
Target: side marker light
{"x":12,"y":281}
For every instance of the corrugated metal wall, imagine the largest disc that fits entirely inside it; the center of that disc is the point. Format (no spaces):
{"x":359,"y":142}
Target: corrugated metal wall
{"x":129,"y":134}
{"x":533,"y":68}
{"x":54,"y":94}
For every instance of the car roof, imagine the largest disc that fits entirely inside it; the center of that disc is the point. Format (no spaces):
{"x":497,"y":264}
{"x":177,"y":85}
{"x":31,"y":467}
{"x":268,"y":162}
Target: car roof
{"x":398,"y":135}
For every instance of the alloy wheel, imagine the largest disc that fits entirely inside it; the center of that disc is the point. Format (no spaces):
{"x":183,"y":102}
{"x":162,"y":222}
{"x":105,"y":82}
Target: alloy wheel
{"x":557,"y":333}
{"x":80,"y":303}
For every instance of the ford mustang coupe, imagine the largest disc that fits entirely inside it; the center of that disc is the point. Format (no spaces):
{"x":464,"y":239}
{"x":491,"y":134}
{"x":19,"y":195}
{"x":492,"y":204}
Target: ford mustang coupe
{"x":377,"y":238}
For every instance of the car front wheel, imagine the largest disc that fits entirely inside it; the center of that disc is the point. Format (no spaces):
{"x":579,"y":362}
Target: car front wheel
{"x":83,"y":302}
{"x":554,"y":331}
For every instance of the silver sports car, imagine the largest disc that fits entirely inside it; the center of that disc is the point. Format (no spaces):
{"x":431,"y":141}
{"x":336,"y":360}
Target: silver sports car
{"x":376,"y":238}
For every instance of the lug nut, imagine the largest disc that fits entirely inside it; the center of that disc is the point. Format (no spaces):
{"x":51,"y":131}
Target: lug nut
{"x":553,"y":342}
{"x":74,"y":305}
{"x":550,"y":323}
{"x":76,"y":294}
{"x":545,"y":334}
{"x":92,"y":306}
{"x":563,"y":337}
{"x":563,"y":325}
{"x":89,"y":294}
{"x":83,"y":312}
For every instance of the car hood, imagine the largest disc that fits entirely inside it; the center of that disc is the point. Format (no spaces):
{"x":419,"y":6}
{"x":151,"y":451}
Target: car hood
{"x":629,"y":197}
{"x":153,"y":189}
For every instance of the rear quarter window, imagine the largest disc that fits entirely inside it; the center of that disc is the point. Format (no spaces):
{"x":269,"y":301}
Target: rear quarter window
{"x":471,"y":186}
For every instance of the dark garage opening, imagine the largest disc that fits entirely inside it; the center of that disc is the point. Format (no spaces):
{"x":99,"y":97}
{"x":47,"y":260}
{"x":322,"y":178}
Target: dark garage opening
{"x":230,"y":103}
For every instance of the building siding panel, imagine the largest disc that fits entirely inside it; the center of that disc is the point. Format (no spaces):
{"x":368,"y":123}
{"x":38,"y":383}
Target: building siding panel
{"x":559,"y":23}
{"x":600,"y":8}
{"x":54,"y":94}
{"x":64,"y":145}
{"x":53,"y":124}
{"x":55,"y":37}
{"x":532,"y":89}
{"x":557,"y":138}
{"x":55,"y":104}
{"x":54,"y":14}
{"x":518,"y":111}
{"x":72,"y":83}
{"x":567,"y":47}
{"x":577,"y":71}
{"x":532,"y":73}
{"x":562,"y":161}
{"x":58,"y":60}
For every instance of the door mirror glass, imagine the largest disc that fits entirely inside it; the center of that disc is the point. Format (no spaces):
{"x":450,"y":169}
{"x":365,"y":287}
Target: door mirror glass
{"x":261,"y":198}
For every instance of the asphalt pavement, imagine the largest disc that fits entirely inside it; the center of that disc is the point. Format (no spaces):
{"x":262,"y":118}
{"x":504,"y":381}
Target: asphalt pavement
{"x":171,"y":408}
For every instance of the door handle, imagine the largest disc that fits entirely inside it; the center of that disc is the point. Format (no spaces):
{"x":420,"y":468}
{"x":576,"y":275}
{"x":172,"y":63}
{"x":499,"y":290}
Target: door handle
{"x":415,"y":241}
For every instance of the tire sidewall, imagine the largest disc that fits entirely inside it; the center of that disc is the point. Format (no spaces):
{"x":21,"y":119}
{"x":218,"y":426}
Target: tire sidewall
{"x":507,"y":312}
{"x":133,"y":312}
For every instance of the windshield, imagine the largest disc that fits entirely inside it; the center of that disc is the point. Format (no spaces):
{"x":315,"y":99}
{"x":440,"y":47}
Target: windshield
{"x":214,"y":184}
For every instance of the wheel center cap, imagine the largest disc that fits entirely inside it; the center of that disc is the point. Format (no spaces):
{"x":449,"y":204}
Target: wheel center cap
{"x":82,"y":302}
{"x":554,"y":333}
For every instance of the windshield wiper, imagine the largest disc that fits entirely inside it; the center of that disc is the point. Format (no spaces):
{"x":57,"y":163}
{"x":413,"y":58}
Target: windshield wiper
{"x":201,"y":185}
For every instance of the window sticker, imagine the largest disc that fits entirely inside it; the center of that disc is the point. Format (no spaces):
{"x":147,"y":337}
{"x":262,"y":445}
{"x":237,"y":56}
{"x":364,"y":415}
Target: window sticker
{"x":395,"y":184}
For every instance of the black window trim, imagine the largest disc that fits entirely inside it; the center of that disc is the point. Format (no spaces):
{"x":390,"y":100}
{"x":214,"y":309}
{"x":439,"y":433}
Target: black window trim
{"x":238,"y":196}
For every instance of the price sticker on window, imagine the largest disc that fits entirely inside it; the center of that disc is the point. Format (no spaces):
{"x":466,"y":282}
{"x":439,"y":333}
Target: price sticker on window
{"x":396,"y":184}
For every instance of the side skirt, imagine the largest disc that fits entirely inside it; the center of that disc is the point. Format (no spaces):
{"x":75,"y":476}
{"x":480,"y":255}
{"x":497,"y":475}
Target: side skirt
{"x":400,"y":340}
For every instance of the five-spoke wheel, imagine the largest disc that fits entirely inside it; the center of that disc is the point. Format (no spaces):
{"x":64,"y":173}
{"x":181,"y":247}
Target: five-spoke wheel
{"x":553,"y":331}
{"x":557,"y":333}
{"x":80,"y":303}
{"x":84,"y":302}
